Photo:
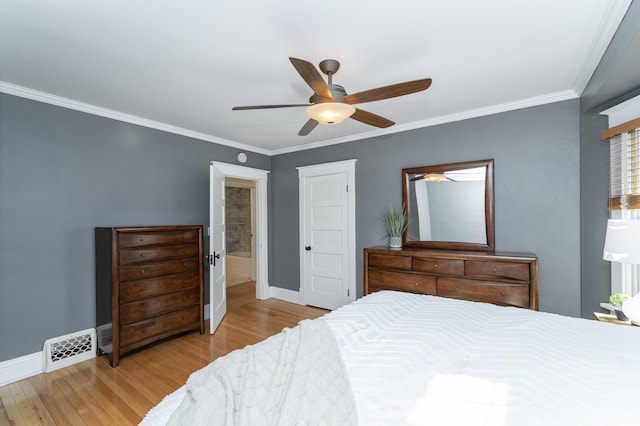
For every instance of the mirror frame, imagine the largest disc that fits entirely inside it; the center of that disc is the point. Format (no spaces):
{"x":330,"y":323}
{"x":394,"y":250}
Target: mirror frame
{"x":488,"y":207}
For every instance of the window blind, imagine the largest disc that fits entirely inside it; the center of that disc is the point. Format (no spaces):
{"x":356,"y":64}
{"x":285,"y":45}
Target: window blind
{"x":624,"y":171}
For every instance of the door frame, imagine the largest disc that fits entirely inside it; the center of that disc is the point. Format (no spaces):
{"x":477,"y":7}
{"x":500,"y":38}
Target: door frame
{"x":345,"y":166}
{"x":260,"y":177}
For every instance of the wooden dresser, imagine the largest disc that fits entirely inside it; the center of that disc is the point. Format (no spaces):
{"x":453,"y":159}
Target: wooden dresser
{"x":499,"y":278}
{"x":149,"y":285}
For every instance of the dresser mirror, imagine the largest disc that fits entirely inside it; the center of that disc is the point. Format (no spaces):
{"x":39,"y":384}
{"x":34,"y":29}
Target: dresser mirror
{"x":449,"y":206}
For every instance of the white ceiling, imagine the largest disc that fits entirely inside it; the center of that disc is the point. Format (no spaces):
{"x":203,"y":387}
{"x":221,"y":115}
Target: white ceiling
{"x":181,"y":65}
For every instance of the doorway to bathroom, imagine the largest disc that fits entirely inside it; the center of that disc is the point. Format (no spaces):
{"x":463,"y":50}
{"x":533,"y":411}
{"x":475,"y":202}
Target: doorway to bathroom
{"x":219,"y":173}
{"x":240,"y":213}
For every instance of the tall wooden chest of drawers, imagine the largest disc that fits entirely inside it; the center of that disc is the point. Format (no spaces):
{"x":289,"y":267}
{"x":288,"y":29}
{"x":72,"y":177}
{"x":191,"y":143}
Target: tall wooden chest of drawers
{"x":502,"y":279}
{"x":149,"y":285}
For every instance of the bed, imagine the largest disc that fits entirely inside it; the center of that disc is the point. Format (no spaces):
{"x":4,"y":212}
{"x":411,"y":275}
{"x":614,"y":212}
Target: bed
{"x":421,"y":359}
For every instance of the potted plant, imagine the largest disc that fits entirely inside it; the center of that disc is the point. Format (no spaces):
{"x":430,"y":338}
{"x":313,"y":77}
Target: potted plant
{"x":396,"y":222}
{"x":616,"y":301}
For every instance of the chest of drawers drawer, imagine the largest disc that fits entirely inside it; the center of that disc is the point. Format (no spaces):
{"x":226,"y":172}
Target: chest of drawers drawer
{"x":141,"y":289}
{"x":156,"y":254}
{"x":390,"y":262}
{"x":497,"y":270}
{"x":136,"y":272}
{"x":415,"y":283}
{"x":438,"y":266}
{"x":148,"y":308}
{"x":149,"y":237}
{"x":141,"y":333}
{"x":499,"y":293}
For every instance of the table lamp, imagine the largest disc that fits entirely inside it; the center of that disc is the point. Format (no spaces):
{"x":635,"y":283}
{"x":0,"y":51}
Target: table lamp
{"x":622,"y":244}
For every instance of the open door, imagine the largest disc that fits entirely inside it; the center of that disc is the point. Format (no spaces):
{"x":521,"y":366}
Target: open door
{"x":217,"y":264}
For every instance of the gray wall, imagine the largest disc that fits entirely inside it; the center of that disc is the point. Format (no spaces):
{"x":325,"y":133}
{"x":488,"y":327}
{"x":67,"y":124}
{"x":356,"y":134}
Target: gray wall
{"x":536,"y":152}
{"x":616,"y":79}
{"x":62,"y":173}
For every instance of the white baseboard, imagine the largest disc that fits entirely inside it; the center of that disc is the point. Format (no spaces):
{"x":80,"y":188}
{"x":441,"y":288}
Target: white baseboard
{"x":285,"y":294}
{"x":25,"y":366}
{"x":20,"y":368}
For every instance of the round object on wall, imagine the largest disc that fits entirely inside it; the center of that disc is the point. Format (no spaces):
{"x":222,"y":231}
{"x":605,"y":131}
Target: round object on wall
{"x":242,"y":157}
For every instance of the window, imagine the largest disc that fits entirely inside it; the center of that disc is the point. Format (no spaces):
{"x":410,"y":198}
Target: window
{"x":624,"y":187}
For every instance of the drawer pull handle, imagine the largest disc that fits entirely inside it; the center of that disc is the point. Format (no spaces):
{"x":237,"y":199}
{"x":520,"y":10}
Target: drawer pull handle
{"x":435,"y":266}
{"x":417,"y":283}
{"x":495,"y":270}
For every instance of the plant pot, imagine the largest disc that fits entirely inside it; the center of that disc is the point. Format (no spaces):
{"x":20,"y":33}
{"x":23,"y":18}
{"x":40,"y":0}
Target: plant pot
{"x":395,"y":242}
{"x":620,"y":314}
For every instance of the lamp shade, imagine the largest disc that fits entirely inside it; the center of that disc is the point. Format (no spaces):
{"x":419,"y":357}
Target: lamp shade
{"x":622,"y":243}
{"x":330,"y":112}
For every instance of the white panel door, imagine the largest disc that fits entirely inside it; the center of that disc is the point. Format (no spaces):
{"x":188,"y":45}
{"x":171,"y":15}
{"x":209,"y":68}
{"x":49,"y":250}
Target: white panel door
{"x":217,"y":264}
{"x":326,"y":240}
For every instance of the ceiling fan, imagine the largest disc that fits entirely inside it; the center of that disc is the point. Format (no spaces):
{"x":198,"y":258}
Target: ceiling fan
{"x":432,"y":177}
{"x":330,"y":103}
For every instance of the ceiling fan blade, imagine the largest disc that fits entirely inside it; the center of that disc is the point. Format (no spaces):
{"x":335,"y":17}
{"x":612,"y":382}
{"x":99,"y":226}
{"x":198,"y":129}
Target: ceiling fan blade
{"x":242,"y":108}
{"x":310,"y":74}
{"x":308,"y":127}
{"x":387,"y":92}
{"x":371,"y":119}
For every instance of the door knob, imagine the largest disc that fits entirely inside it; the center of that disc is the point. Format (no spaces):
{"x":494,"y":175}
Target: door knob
{"x":307,"y":248}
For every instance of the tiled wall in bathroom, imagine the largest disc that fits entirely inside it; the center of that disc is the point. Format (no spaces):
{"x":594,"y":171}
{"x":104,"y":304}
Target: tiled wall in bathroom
{"x":238,"y":220}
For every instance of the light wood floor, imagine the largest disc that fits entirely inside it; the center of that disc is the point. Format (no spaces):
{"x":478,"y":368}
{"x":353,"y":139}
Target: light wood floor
{"x":91,"y":392}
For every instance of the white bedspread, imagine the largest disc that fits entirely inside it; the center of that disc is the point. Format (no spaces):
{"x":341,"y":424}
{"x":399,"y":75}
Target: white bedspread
{"x":296,"y":377}
{"x":425,"y":360}
{"x":433,"y":361}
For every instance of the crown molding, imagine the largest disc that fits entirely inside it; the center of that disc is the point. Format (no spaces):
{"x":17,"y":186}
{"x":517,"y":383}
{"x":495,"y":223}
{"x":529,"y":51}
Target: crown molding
{"x":604,"y":34}
{"x":24,"y":92}
{"x":465,"y":115}
{"x":35,"y":95}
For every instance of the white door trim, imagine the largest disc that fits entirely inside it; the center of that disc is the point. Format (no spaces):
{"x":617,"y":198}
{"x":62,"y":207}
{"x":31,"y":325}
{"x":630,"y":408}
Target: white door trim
{"x":261,"y":241}
{"x":346,"y":166}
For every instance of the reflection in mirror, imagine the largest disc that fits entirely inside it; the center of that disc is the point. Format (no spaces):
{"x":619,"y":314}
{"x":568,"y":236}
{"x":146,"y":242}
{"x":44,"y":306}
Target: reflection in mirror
{"x":450,"y":205}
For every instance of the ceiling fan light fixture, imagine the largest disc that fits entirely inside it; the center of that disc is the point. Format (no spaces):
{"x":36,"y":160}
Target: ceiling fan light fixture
{"x":435,"y":177}
{"x":330,"y":112}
